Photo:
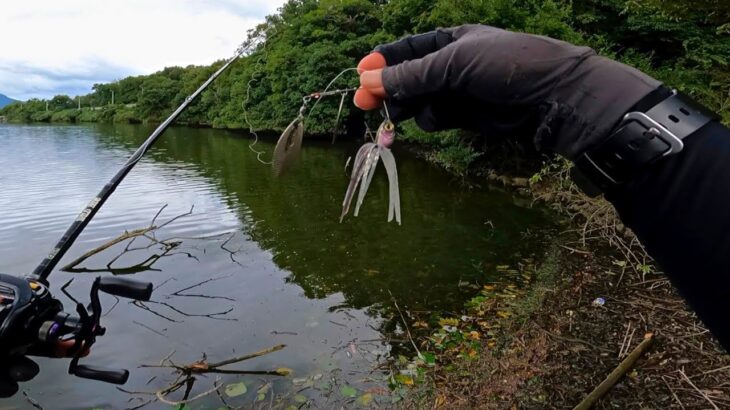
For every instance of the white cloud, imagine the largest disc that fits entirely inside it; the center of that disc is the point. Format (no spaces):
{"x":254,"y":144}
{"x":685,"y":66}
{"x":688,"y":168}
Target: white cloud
{"x":51,"y":46}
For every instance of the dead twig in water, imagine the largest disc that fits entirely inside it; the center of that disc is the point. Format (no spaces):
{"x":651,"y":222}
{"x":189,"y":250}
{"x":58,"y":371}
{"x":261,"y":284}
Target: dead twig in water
{"x":165,"y":248}
{"x":32,"y":401}
{"x":185,"y":375}
{"x":173,"y":308}
{"x":405,"y":325}
{"x":196,"y":295}
{"x":146,"y":232}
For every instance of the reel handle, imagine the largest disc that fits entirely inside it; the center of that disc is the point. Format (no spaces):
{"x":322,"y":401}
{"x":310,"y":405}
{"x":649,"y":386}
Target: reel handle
{"x":126,"y":288}
{"x":115,"y":376}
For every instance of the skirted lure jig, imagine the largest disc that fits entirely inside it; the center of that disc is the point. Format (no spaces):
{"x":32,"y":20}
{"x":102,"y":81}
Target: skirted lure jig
{"x":363,"y":170}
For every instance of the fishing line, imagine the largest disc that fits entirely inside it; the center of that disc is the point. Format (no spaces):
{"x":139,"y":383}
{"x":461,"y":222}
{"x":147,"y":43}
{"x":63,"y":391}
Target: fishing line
{"x":387,"y":114}
{"x":305,"y":100}
{"x":251,"y":129}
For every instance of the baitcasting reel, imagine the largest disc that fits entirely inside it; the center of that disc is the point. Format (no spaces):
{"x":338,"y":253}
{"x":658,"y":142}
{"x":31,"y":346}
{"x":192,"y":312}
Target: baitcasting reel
{"x":32,"y":322}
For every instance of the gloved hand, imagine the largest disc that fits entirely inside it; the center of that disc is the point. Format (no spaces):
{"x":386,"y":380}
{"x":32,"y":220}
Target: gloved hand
{"x":501,"y":82}
{"x":13,"y":370}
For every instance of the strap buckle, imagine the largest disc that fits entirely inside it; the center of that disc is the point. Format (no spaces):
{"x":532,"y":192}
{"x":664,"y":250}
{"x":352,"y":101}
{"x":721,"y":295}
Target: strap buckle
{"x":675,"y":143}
{"x":639,"y":140}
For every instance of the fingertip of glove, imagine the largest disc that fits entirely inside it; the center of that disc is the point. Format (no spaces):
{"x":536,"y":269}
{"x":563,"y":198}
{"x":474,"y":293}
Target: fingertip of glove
{"x":365,"y":100}
{"x":372,"y":61}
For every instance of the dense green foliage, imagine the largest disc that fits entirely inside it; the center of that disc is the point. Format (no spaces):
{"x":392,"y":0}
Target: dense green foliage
{"x":684,"y":43}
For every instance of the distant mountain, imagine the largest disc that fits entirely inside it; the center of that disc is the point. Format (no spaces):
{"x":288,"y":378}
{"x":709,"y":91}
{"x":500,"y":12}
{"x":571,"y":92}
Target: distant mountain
{"x":5,"y":100}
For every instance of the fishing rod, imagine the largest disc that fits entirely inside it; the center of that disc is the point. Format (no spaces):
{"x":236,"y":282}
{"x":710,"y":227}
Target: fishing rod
{"x":33,"y":322}
{"x":45,"y":268}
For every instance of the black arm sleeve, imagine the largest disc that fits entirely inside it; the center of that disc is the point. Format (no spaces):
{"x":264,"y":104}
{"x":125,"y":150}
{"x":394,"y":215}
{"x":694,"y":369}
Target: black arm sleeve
{"x":680,"y":210}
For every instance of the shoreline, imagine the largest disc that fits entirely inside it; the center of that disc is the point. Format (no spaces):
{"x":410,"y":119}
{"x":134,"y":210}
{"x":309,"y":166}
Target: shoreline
{"x":586,"y":310}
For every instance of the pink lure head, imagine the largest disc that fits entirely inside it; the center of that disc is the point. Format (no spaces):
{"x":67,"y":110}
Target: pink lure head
{"x":386,"y":134}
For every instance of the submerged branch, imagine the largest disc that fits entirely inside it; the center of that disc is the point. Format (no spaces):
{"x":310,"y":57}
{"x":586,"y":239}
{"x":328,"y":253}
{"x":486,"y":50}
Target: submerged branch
{"x":185,"y":376}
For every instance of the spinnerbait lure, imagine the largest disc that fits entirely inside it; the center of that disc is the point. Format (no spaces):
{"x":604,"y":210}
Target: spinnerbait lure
{"x":363,"y":170}
{"x":289,"y":146}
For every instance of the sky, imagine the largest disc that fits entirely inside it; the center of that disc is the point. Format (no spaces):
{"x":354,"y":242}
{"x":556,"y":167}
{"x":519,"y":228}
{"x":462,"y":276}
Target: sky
{"x":50,"y":47}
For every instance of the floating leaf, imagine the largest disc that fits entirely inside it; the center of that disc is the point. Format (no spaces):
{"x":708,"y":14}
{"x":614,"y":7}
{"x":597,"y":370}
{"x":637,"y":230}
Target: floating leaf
{"x":421,"y":324}
{"x":365,"y":399}
{"x":284,"y":371}
{"x":429,"y":358}
{"x":236,"y":389}
{"x":404,"y":379}
{"x":348,"y":391}
{"x":300,"y":398}
{"x":262,"y":391}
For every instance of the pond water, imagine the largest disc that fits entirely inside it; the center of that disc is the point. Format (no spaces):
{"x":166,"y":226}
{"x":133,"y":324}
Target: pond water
{"x":282,"y":268}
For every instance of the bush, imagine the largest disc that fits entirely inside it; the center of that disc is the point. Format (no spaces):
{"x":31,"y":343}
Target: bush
{"x":457,"y":158}
{"x":126,"y":115}
{"x":88,"y":115}
{"x":41,"y":116}
{"x":67,"y":115}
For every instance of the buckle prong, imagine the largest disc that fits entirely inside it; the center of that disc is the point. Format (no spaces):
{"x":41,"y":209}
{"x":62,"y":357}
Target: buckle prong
{"x":675,"y":144}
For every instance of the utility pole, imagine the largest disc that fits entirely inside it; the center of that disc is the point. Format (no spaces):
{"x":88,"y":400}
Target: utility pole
{"x":78,"y":97}
{"x":46,"y":105}
{"x":112,"y":97}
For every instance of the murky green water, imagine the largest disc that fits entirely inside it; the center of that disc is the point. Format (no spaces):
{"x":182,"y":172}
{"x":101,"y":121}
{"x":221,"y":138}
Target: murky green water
{"x":285,"y":270}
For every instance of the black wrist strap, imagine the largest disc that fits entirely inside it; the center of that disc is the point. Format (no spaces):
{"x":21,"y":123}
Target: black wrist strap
{"x":641,"y":139}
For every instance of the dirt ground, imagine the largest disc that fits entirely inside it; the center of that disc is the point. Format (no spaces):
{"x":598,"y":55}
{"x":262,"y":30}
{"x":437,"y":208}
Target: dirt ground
{"x":563,"y":343}
{"x":556,"y":354}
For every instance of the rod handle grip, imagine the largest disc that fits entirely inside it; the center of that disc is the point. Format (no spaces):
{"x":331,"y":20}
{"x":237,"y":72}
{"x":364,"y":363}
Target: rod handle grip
{"x":126,"y":288}
{"x":115,"y":376}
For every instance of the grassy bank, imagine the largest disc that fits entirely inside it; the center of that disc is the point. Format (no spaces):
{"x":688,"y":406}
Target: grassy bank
{"x":559,"y":324}
{"x":552,"y":348}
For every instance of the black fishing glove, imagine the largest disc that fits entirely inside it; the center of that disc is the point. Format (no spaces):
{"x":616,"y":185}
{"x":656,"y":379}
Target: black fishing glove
{"x":500,"y":82}
{"x":13,"y":370}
